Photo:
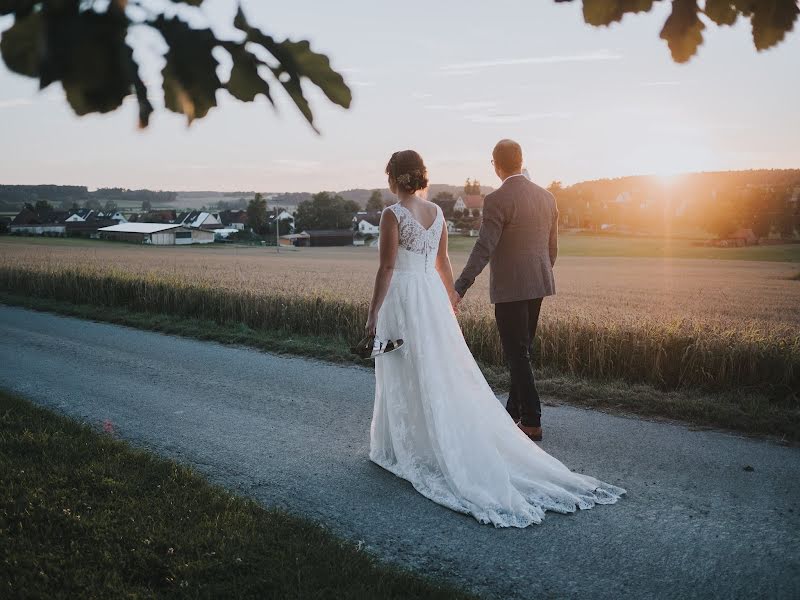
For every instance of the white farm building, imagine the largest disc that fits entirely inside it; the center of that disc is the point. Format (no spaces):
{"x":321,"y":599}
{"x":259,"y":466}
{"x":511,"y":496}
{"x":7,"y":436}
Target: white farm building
{"x":158,"y":234}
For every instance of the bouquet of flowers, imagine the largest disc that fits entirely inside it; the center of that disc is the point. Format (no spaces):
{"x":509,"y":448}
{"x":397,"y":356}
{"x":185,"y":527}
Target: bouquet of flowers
{"x":370,"y":346}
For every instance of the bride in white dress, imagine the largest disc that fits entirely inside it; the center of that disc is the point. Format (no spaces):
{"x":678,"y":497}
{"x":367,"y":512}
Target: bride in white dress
{"x":436,"y":422}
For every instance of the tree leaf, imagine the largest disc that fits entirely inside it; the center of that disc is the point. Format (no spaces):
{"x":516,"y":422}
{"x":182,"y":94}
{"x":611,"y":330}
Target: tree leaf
{"x":298,"y":56}
{"x":722,"y":12}
{"x":605,"y":12}
{"x":20,"y":8}
{"x":87,"y":53}
{"x":145,"y":107}
{"x":771,"y":20}
{"x":190,"y":74}
{"x":683,"y":30}
{"x":22,"y":45}
{"x":245,"y":83}
{"x":295,"y":61}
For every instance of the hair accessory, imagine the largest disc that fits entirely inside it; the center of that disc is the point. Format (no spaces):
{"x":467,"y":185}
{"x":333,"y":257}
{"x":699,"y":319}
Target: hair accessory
{"x":404,"y":178}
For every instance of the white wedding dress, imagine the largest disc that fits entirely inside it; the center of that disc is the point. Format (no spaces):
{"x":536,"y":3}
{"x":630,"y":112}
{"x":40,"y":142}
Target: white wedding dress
{"x":437,"y":423}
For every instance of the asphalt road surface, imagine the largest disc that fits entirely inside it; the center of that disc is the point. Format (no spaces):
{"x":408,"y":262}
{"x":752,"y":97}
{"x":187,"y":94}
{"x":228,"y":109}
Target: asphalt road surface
{"x":293,"y":433}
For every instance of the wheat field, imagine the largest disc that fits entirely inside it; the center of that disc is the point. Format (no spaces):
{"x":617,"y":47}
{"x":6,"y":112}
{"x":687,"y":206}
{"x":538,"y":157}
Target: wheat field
{"x":671,"y":323}
{"x":735,"y":294}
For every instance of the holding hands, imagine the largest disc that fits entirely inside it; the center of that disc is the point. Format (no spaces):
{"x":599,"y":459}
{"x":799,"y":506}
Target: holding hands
{"x":455,"y":298}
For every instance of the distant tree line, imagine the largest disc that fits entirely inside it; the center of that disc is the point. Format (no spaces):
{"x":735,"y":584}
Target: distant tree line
{"x":765,"y":201}
{"x":67,"y":197}
{"x":238,"y":204}
{"x":14,"y":197}
{"x":325,"y":210}
{"x":122,"y":194}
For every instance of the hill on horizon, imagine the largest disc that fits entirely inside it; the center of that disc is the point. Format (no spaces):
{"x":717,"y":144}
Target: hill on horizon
{"x":14,"y":197}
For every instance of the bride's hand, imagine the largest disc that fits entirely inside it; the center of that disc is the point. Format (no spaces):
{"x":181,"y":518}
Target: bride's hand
{"x":372,"y":323}
{"x":455,"y":298}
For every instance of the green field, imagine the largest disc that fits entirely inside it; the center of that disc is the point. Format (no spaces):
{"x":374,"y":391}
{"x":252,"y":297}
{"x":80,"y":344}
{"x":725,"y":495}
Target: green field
{"x":569,"y":245}
{"x":640,"y":247}
{"x":83,"y":514}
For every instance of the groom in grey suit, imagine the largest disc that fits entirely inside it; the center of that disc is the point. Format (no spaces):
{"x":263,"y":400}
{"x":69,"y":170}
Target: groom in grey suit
{"x":519,"y":238}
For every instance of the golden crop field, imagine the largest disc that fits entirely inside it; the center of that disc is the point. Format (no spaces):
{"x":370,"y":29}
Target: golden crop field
{"x":735,"y":294}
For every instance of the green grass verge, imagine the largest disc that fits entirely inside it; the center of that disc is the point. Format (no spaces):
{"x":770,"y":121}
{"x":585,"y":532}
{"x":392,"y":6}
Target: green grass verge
{"x":653,"y":247}
{"x":748,"y":410}
{"x":85,"y":515}
{"x":570,"y":244}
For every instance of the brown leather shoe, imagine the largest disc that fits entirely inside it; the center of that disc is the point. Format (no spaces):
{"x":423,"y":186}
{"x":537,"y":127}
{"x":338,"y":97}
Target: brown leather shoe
{"x":535,"y":433}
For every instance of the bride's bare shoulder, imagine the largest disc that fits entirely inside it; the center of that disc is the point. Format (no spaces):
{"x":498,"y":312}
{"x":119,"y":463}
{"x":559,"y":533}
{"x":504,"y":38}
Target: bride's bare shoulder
{"x":389,"y":213}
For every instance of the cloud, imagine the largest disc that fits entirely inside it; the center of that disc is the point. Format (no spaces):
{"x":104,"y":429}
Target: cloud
{"x":476,"y":105}
{"x":501,"y":118}
{"x":291,"y":164}
{"x":361,"y":84}
{"x":421,"y":95}
{"x":487,"y":111}
{"x":14,"y":102}
{"x":456,"y":72}
{"x":599,"y":55}
{"x":660,"y":83}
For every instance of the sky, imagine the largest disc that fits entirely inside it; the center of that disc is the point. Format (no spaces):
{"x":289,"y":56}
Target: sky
{"x":448,"y":79}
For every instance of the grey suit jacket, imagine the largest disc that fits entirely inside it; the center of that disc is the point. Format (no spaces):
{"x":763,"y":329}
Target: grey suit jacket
{"x":519,"y":238}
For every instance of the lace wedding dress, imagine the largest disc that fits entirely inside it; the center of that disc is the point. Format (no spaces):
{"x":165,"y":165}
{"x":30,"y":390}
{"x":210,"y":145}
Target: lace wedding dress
{"x":437,"y":423}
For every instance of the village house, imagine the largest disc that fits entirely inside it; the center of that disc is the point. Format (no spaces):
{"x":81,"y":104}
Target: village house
{"x":57,"y":223}
{"x":469,"y":203}
{"x":282,"y":216}
{"x":155,"y":216}
{"x":367,"y":223}
{"x":158,"y":234}
{"x":324,"y":237}
{"x":199,"y":220}
{"x":80,"y":215}
{"x":295,"y":239}
{"x":41,"y":222}
{"x":113,"y":216}
{"x":234,"y":219}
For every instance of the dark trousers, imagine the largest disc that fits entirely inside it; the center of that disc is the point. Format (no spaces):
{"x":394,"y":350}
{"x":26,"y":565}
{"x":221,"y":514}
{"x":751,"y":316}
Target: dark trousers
{"x":517,"y":323}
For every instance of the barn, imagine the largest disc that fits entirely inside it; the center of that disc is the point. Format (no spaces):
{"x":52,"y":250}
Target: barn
{"x":158,"y":234}
{"x":330,"y":237}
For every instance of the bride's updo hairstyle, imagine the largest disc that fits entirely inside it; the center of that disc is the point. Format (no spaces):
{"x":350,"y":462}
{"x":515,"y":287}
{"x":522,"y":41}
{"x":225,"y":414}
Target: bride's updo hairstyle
{"x":407,"y":171}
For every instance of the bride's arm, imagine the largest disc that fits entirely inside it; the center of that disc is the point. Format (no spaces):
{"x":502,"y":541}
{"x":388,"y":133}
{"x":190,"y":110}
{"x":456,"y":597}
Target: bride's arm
{"x":388,"y":254}
{"x":445,"y":269}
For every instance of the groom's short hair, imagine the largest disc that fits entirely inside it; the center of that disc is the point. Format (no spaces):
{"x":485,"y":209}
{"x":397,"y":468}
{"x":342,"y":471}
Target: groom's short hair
{"x":507,"y":155}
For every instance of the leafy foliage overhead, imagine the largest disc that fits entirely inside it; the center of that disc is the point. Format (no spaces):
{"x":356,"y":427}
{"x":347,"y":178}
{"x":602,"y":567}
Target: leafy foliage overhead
{"x":770,"y":20}
{"x":84,"y":45}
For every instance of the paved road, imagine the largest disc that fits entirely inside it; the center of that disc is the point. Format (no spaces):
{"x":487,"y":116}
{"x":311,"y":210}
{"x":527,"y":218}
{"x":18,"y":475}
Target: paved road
{"x":294,"y":433}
